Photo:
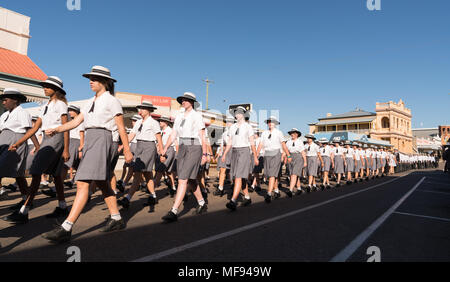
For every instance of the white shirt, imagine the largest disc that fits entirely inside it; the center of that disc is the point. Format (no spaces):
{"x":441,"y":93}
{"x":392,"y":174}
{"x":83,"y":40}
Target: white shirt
{"x":357,"y":154}
{"x":257,"y":142}
{"x":338,"y":151}
{"x":189,"y":126}
{"x":51,"y":118}
{"x":106,"y":108}
{"x":326,"y":151}
{"x":349,"y":152}
{"x":368,"y":153}
{"x":383,"y":154}
{"x":312,"y":149}
{"x":165,"y":134}
{"x":378,"y":154}
{"x":362,"y":154}
{"x":240,"y":135}
{"x":146,"y":130}
{"x":75,"y":133}
{"x":274,"y":143}
{"x":18,"y":120}
{"x":374,"y":154}
{"x":296,"y":146}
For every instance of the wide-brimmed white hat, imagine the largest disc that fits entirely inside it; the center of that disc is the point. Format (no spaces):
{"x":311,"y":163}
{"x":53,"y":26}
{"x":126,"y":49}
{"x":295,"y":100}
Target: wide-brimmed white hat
{"x":136,"y":117}
{"x":295,"y":130}
{"x":165,"y":119}
{"x":99,"y":71}
{"x":13,"y":93}
{"x":189,"y":96}
{"x":74,"y":108}
{"x":53,"y":81}
{"x":272,"y":119}
{"x":241,"y":110}
{"x":310,"y":136}
{"x":146,"y":105}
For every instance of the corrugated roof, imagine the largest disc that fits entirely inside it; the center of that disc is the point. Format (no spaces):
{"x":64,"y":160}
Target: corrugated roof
{"x":355,"y":113}
{"x":19,"y":65}
{"x":345,"y":121}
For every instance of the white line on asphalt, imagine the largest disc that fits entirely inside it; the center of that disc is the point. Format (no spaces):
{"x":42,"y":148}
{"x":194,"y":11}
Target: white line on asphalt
{"x":428,"y":191}
{"x":361,"y":238}
{"x":194,"y":244}
{"x":424,"y":216}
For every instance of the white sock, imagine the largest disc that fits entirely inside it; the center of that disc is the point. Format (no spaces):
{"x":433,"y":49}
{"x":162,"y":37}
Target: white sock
{"x":247,"y":197}
{"x":220,"y":188}
{"x":115,"y":192}
{"x":253,"y":186}
{"x":201,"y":202}
{"x":174,"y":188}
{"x":314,"y":185}
{"x":128,"y":196}
{"x":154,"y":195}
{"x":116,"y":216}
{"x":67,"y":225}
{"x":269,"y":194}
{"x":24,"y":210}
{"x":277,"y":191}
{"x":174,"y":210}
{"x":233,"y":200}
{"x":62,"y":204}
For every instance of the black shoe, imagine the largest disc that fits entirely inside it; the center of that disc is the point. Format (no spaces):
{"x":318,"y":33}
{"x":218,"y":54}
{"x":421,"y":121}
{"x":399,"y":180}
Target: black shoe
{"x":171,"y":192}
{"x":19,"y":205}
{"x":361,"y":180}
{"x":151,"y":201}
{"x":58,"y":212}
{"x":124,"y":202}
{"x":258,"y":189}
{"x":120,"y":187}
{"x":16,"y":217}
{"x":219,"y":192}
{"x":170,"y":217}
{"x":308,"y":189}
{"x":322,"y":187}
{"x":315,"y":189}
{"x":186,"y":198}
{"x":250,"y":189}
{"x":50,"y":193}
{"x":349,"y":182}
{"x":277,"y":195}
{"x":338,"y":185}
{"x":246,"y":202}
{"x":289,"y":193}
{"x":268,"y":199}
{"x":58,"y":235}
{"x":204,"y":195}
{"x":231,"y":205}
{"x":201,"y":209}
{"x":11,"y":187}
{"x":299,"y":192}
{"x":113,"y":225}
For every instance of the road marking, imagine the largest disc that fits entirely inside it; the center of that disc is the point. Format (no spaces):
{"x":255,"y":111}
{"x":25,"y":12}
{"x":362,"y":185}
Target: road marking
{"x":424,"y":216}
{"x":436,"y":192}
{"x":194,"y":244}
{"x":361,"y":238}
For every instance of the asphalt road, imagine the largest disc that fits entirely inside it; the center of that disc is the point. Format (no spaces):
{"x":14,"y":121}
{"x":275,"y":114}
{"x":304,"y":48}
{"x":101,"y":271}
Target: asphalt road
{"x":406,"y":217}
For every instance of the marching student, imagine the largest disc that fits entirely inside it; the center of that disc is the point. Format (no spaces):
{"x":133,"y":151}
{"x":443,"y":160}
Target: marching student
{"x":32,"y":150}
{"x":384,"y":161}
{"x":101,"y":115}
{"x":297,"y":150}
{"x":362,"y":158}
{"x":358,"y":163}
{"x":76,"y":144}
{"x":148,"y":135}
{"x":223,"y":166}
{"x":313,"y":157}
{"x":392,"y":163}
{"x":189,"y":126}
{"x":53,"y":151}
{"x":374,"y":161}
{"x":339,"y":160}
{"x":166,"y":167}
{"x":326,"y":152}
{"x":14,"y":123}
{"x":240,"y":142}
{"x":378,"y":158}
{"x":257,"y":169}
{"x":201,"y":178}
{"x":272,"y":142}
{"x":350,"y":161}
{"x":128,"y":167}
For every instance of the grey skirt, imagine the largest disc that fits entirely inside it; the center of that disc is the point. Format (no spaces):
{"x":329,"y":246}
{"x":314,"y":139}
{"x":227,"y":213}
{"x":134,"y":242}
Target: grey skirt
{"x":30,"y":157}
{"x":168,"y":163}
{"x":189,"y":159}
{"x":326,"y":163}
{"x":145,"y":156}
{"x":272,"y":164}
{"x":240,"y":163}
{"x":133,"y":151}
{"x":12,"y":164}
{"x":74,"y":160}
{"x":95,"y":163}
{"x":350,"y":167}
{"x":379,"y":163}
{"x":338,"y":164}
{"x":296,"y":165}
{"x":48,"y":160}
{"x":359,"y":166}
{"x":226,"y":164}
{"x":173,"y":168}
{"x":374,"y":164}
{"x":313,"y":162}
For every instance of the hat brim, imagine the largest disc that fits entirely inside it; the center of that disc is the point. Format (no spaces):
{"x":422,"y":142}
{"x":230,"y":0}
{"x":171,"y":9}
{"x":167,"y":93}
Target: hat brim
{"x":48,"y":83}
{"x":298,"y":132}
{"x":165,"y":120}
{"x":146,"y":107}
{"x":19,"y":97}
{"x":73,"y":109}
{"x":196,"y":103}
{"x":234,"y":112}
{"x":89,"y":75}
{"x":272,"y":121}
{"x":310,"y":137}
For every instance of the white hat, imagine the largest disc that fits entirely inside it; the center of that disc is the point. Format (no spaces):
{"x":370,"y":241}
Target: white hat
{"x":189,"y":96}
{"x":240,"y":109}
{"x":13,"y":93}
{"x":293,"y":130}
{"x":74,"y":108}
{"x":272,"y":119}
{"x":99,"y":71}
{"x":146,"y":105}
{"x":53,"y":81}
{"x":136,"y":117}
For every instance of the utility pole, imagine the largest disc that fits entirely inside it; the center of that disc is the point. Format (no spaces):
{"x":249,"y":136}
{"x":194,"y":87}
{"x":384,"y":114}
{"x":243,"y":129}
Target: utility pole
{"x":207,"y":90}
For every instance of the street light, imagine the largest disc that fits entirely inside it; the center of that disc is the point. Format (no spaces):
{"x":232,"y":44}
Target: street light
{"x":207,"y":90}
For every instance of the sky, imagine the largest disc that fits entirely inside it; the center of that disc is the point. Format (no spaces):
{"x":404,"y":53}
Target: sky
{"x":300,"y":58}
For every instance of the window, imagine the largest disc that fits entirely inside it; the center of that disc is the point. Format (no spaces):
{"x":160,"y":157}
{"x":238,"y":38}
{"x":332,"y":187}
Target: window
{"x":385,"y":122}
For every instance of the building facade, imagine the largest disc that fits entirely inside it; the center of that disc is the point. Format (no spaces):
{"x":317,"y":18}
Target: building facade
{"x":391,"y":123}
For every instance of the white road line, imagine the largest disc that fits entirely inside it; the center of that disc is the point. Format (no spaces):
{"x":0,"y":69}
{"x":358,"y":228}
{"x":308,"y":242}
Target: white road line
{"x":194,"y":244}
{"x":424,"y":216}
{"x":428,"y":191}
{"x":361,"y":238}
